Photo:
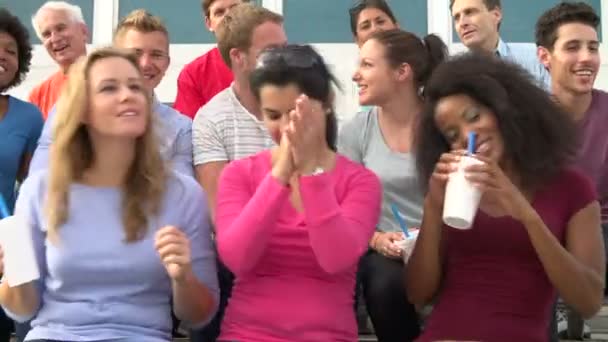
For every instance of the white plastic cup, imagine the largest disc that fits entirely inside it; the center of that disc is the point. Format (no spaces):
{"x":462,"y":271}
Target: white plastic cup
{"x":407,"y":244}
{"x":20,"y":264}
{"x":461,"y":197}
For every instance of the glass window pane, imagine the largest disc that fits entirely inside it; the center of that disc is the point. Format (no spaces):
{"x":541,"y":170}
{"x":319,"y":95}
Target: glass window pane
{"x":327,"y":21}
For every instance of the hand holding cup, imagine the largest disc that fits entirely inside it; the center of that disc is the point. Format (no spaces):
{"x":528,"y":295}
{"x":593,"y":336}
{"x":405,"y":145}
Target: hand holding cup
{"x":447,"y":164}
{"x":497,"y":188}
{"x":386,"y":244}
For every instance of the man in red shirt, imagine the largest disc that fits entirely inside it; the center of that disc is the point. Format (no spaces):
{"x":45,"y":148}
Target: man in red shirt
{"x":61,"y":28}
{"x":207,"y":75}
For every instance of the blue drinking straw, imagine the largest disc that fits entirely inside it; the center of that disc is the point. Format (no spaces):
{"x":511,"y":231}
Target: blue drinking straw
{"x":471,"y":144}
{"x":399,"y":219}
{"x":3,"y":208}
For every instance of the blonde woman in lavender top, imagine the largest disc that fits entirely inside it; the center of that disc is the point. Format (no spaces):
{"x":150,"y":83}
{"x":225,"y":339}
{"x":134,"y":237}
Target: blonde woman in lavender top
{"x":117,"y":235}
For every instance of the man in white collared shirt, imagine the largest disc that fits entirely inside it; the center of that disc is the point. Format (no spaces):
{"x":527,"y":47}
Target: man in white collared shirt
{"x":477,"y":23}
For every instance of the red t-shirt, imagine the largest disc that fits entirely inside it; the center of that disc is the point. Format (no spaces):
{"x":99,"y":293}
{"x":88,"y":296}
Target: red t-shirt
{"x":200,"y":81}
{"x":45,"y":95}
{"x":494,"y":285}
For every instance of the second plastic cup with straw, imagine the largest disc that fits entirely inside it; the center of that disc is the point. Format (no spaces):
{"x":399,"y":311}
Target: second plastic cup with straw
{"x":461,"y":196}
{"x":407,"y":244}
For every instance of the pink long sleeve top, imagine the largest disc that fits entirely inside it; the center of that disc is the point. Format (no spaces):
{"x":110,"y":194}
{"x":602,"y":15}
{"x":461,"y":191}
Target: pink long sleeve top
{"x":295,"y":271}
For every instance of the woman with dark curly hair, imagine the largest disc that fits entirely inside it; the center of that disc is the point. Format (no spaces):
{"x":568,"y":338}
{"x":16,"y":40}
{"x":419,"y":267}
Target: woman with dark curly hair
{"x":538,"y":226}
{"x":20,"y":122}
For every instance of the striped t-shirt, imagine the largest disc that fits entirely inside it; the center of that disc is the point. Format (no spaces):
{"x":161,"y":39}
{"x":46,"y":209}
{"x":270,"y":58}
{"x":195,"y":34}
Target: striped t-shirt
{"x":223,"y":130}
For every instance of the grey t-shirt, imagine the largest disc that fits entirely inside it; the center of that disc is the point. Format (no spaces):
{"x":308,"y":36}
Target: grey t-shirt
{"x":224,"y":130}
{"x":362,"y":141}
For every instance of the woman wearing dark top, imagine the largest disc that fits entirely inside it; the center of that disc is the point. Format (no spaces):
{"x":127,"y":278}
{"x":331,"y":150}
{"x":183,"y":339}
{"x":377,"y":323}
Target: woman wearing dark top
{"x":537,"y":232}
{"x":20,"y":124}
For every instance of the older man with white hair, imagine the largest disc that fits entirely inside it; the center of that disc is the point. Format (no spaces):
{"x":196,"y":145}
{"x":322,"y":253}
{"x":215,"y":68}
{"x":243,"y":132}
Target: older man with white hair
{"x":61,"y":28}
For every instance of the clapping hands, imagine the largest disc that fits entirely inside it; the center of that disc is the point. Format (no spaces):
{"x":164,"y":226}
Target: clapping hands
{"x":302,"y":141}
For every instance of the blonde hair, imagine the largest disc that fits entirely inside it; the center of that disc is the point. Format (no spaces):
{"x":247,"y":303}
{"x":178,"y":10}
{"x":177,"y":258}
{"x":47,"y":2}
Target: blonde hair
{"x":236,"y":29}
{"x":142,"y":21}
{"x":73,"y":12}
{"x":72,"y":154}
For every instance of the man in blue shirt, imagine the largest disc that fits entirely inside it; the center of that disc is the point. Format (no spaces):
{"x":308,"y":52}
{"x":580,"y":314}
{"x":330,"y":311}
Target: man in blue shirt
{"x":147,"y":36}
{"x":477,"y":23}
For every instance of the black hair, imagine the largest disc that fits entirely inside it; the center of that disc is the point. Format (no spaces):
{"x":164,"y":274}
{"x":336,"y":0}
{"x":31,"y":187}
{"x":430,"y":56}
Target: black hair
{"x":356,"y":10}
{"x":564,"y":13}
{"x":12,"y":26}
{"x":539,"y":137}
{"x":423,"y":55}
{"x":303,"y":66}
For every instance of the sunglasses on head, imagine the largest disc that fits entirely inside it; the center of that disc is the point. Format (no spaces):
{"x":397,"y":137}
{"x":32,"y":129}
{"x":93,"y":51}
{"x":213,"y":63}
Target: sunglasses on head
{"x":295,"y":56}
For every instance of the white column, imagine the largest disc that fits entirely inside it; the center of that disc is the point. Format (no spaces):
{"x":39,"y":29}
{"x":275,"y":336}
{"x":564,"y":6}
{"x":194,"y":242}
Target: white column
{"x":440,"y":19}
{"x":275,"y":5}
{"x":105,"y":18}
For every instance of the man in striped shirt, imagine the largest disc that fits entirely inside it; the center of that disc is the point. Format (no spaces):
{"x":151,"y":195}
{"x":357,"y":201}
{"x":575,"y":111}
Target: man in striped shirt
{"x":230,"y":126}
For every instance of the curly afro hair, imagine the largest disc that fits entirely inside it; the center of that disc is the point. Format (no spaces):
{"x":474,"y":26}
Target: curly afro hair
{"x":12,"y":26}
{"x":540,"y":139}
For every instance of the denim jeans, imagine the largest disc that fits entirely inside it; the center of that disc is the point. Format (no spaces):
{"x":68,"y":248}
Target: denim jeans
{"x":6,"y":327}
{"x":382,"y":279}
{"x":21,"y":330}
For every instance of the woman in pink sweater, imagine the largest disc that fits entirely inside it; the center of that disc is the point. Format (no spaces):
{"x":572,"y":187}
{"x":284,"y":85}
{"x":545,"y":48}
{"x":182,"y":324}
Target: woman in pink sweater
{"x":292,"y":222}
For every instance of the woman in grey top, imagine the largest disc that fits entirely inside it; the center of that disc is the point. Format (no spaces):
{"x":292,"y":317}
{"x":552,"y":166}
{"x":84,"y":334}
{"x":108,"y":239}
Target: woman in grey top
{"x":394,"y":66}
